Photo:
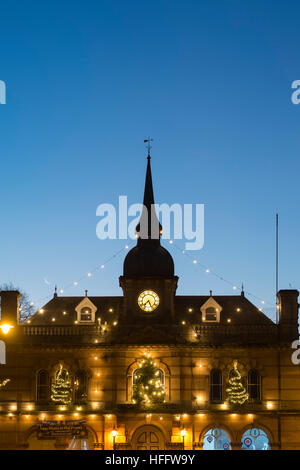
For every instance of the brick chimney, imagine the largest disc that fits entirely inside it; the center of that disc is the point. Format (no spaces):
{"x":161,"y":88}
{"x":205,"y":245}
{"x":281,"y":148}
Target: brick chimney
{"x":288,"y":314}
{"x":10,"y":307}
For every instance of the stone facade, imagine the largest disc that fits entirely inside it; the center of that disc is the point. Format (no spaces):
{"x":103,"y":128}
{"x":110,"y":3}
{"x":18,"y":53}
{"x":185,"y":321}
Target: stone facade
{"x":105,"y":341}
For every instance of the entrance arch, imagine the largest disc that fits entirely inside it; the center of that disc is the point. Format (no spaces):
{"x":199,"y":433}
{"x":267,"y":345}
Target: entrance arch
{"x":148,"y":437}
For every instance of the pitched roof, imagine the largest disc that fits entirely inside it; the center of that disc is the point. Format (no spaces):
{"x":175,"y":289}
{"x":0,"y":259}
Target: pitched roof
{"x":108,"y":309}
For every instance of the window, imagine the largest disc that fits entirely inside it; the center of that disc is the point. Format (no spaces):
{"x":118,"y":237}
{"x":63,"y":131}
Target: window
{"x":42,"y":386}
{"x":86,"y":311}
{"x":255,"y":439}
{"x":216,"y":439}
{"x":210,"y":314}
{"x":254,"y":385}
{"x":81,"y":386}
{"x":211,"y":311}
{"x":86,"y":314}
{"x":216,"y":385}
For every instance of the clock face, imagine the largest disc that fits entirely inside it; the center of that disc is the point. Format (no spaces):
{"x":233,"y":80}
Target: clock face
{"x":148,"y":300}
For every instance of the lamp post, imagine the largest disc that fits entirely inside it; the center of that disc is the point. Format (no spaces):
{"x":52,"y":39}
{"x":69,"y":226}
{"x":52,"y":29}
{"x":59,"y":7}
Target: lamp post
{"x":114,"y":433}
{"x":183,"y":434}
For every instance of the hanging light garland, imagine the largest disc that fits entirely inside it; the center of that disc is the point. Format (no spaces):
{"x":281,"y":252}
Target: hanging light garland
{"x":207,"y":270}
{"x":100,"y":267}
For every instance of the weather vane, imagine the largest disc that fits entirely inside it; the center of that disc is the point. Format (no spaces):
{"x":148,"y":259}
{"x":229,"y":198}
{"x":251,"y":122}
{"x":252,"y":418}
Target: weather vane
{"x":148,"y":141}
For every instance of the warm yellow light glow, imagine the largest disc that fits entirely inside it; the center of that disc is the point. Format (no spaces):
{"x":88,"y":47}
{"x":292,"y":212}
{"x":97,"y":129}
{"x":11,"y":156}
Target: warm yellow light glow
{"x":250,"y":415}
{"x":62,"y":408}
{"x":183,"y":322}
{"x":200,"y":415}
{"x":75,"y":414}
{"x":53,"y":319}
{"x":29,"y":407}
{"x":108,"y":416}
{"x":6,"y":328}
{"x":233,"y":415}
{"x":228,"y":320}
{"x":199,"y":398}
{"x":183,"y":432}
{"x":114,"y":432}
{"x":13,"y":407}
{"x":185,"y":415}
{"x":224,"y":406}
{"x":190,"y":310}
{"x":78,"y":408}
{"x":41,"y":310}
{"x":269,"y":405}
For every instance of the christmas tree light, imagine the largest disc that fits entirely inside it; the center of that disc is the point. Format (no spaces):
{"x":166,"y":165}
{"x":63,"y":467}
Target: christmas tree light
{"x":235,"y":390}
{"x":61,"y":388}
{"x":148,"y":388}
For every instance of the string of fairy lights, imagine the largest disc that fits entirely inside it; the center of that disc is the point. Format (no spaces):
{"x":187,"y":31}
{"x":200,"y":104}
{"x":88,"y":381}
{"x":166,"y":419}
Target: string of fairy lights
{"x":209,"y":271}
{"x":89,"y":274}
{"x":195,"y":261}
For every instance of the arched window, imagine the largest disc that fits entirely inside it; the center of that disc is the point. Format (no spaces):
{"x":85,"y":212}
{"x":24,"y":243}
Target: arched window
{"x":255,"y":439}
{"x":254,"y":385}
{"x":81,"y":386}
{"x":86,"y":314}
{"x":43,"y":386}
{"x":216,"y":385}
{"x":216,"y":439}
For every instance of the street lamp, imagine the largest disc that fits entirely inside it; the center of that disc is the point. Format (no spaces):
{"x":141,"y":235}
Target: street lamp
{"x":183,"y":434}
{"x":114,"y":433}
{"x":5,"y":327}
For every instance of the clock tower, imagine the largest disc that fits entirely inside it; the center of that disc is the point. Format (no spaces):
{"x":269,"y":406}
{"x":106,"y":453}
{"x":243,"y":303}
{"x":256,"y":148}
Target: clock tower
{"x":148,"y":280}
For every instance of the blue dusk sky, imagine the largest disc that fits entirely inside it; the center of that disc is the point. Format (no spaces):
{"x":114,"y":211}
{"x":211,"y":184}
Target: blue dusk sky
{"x":87,"y":81}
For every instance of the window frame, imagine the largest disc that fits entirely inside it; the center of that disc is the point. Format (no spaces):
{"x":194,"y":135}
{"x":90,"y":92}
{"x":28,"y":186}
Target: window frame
{"x":213,"y":386}
{"x":258,"y":385}
{"x":46,"y":387}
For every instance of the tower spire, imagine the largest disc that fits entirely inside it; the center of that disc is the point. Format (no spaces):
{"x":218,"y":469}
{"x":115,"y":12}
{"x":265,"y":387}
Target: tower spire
{"x":149,"y":227}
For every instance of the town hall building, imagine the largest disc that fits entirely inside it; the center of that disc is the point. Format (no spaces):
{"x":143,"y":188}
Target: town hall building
{"x":72,"y":371}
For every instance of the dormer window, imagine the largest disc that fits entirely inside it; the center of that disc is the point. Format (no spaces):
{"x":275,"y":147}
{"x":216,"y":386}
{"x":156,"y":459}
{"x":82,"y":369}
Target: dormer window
{"x":86,"y":314}
{"x":210,"y":314}
{"x":211,"y":311}
{"x":86,"y":311}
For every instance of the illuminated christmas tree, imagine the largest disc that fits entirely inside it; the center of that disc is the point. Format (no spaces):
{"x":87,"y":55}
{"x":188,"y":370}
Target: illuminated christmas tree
{"x":61,"y":389}
{"x":148,"y":388}
{"x":235,"y":390}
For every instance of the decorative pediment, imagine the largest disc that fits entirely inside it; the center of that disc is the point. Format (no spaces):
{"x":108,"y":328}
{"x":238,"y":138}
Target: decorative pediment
{"x":211,"y":311}
{"x":86,"y":311}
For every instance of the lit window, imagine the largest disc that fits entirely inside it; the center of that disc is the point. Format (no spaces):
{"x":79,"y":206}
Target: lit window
{"x":255,"y":439}
{"x":86,"y":314}
{"x":216,"y":439}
